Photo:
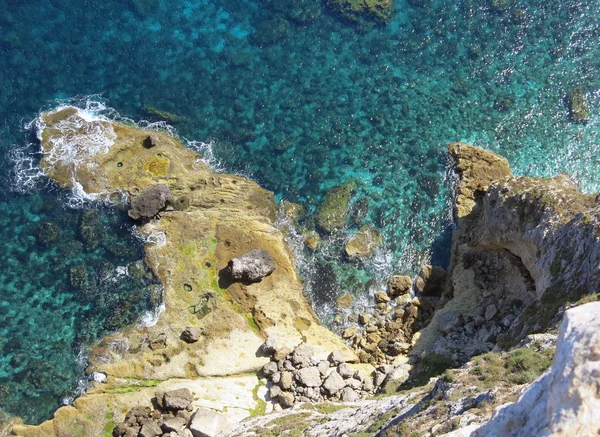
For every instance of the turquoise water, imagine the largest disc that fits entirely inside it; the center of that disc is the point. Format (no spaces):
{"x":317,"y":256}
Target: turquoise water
{"x":294,"y":98}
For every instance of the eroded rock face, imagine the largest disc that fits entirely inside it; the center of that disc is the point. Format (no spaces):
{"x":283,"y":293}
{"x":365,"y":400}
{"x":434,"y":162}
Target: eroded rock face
{"x":564,"y":401}
{"x":252,"y":266}
{"x":523,"y":248}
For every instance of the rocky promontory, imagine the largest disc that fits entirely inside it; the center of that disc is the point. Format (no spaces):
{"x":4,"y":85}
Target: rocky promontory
{"x":207,"y":338}
{"x":236,"y":339}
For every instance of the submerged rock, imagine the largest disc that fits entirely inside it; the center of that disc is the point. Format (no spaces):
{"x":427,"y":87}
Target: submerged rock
{"x":360,"y":11}
{"x":150,"y":202}
{"x":578,"y":107}
{"x":252,"y":266}
{"x":364,"y":242}
{"x":331,"y":213}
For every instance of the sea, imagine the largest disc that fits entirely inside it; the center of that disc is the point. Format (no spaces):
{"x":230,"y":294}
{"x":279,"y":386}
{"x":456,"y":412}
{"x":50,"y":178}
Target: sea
{"x":291,"y":94}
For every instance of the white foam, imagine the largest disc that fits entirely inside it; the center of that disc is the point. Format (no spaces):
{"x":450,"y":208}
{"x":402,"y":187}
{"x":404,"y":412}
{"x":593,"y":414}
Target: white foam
{"x":150,"y":318}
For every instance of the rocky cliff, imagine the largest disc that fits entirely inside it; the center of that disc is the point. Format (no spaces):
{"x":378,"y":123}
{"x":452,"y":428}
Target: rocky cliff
{"x":523,"y":252}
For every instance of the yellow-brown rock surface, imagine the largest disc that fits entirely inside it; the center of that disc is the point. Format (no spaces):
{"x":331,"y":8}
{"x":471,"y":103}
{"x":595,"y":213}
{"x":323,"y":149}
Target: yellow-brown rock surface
{"x":215,"y":217}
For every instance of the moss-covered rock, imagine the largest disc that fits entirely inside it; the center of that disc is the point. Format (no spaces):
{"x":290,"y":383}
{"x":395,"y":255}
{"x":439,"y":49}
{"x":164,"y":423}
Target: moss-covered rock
{"x":578,"y":107}
{"x":360,"y":11}
{"x":331,"y":214}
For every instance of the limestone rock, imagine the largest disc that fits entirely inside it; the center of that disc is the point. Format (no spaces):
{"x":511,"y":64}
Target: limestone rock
{"x":208,"y":423}
{"x":150,"y":202}
{"x":399,"y":285}
{"x":334,"y":383}
{"x":302,"y":355}
{"x":177,"y":399}
{"x":309,"y":377}
{"x":252,"y":266}
{"x":364,"y":242}
{"x":564,"y":401}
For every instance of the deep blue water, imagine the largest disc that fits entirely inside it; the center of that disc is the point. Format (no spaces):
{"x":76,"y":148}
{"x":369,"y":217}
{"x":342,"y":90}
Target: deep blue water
{"x":296,"y":99}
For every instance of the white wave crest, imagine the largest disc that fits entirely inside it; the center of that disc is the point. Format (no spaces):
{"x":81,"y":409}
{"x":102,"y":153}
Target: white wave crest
{"x":26,"y":175}
{"x":150,"y":318}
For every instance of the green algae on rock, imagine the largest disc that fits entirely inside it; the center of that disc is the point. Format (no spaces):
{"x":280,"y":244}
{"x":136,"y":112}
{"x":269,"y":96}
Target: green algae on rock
{"x":360,"y":11}
{"x":331,"y":214}
{"x":225,"y":217}
{"x":578,"y":107}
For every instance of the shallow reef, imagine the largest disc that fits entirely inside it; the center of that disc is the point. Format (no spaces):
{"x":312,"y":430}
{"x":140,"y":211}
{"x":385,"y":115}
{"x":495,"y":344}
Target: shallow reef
{"x":290,"y":95}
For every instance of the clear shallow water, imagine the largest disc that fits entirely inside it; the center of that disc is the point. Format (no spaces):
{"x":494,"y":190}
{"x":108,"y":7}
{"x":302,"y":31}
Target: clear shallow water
{"x":300,"y":105}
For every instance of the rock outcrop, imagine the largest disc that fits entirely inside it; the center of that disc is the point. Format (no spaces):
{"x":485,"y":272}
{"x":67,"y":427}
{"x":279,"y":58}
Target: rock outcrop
{"x":564,"y":401}
{"x":523,"y":248}
{"x":207,"y":337}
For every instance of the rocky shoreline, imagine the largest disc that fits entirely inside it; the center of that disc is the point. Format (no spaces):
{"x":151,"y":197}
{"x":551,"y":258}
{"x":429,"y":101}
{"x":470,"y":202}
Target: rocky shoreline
{"x":238,"y":339}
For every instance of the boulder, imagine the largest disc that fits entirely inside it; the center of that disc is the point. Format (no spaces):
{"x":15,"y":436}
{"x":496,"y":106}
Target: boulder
{"x":286,"y":399}
{"x":336,"y":357}
{"x":269,"y":347}
{"x":349,"y":395}
{"x":381,"y":297}
{"x":334,"y":383}
{"x":309,"y":377}
{"x":208,"y":423}
{"x":364,"y":242}
{"x":431,"y":281}
{"x":331,"y":213}
{"x":345,"y":301}
{"x":282,"y":353}
{"x":270,"y":368}
{"x":251,"y":267}
{"x":399,"y":285}
{"x":151,"y":141}
{"x":349,"y":332}
{"x":191,"y":334}
{"x":449,"y":321}
{"x":150,"y":202}
{"x":150,"y":429}
{"x":178,"y":399}
{"x":285,"y":381}
{"x":302,"y":355}
{"x":174,"y":424}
